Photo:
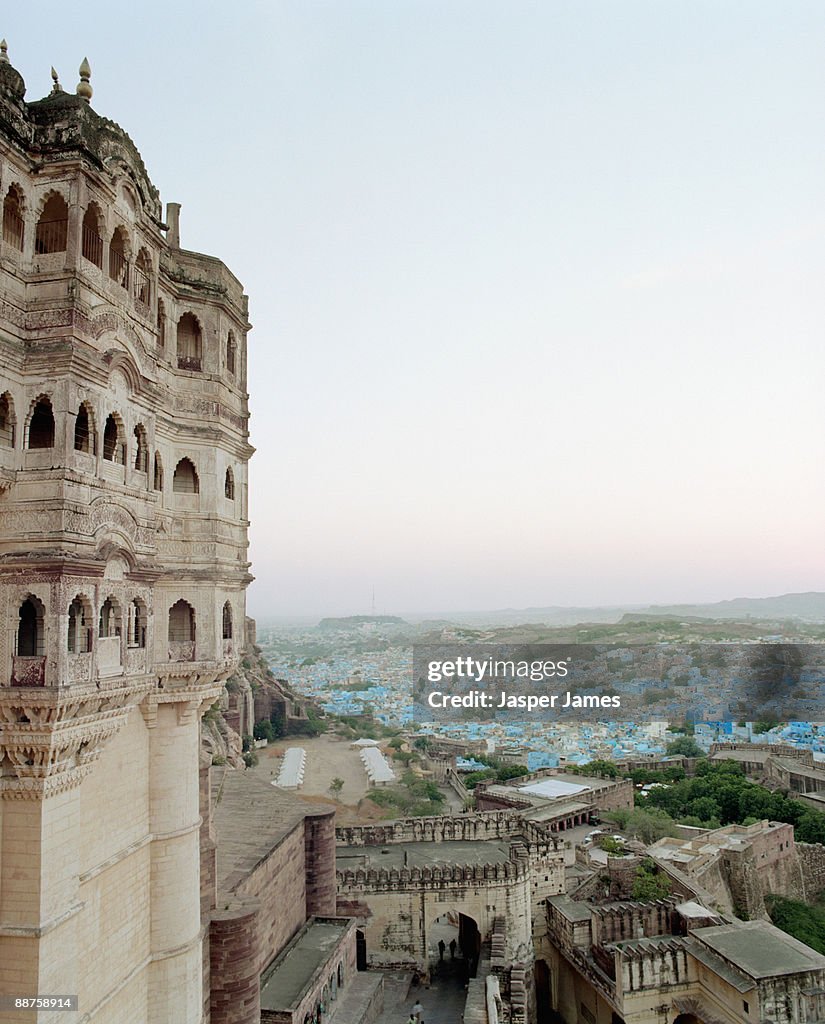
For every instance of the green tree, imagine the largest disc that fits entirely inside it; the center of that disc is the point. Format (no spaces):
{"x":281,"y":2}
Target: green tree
{"x":649,"y":884}
{"x":336,"y":786}
{"x":686,"y":746}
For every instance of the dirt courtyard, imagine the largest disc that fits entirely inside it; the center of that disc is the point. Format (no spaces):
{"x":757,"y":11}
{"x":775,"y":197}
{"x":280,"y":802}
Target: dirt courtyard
{"x":328,"y":757}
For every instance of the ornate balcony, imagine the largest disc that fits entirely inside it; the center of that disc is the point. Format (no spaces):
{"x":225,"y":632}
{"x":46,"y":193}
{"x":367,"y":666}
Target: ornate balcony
{"x":28,"y":671}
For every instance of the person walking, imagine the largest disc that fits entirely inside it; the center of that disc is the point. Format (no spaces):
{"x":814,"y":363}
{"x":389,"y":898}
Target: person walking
{"x":417,"y":1010}
{"x":441,"y":948}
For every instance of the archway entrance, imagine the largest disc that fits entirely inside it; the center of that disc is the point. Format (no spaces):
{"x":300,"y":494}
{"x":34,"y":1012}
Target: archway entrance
{"x":469,"y":942}
{"x":360,"y":950}
{"x":688,"y":1018}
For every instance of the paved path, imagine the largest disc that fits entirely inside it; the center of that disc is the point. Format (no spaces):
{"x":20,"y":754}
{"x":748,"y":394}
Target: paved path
{"x":443,"y":1001}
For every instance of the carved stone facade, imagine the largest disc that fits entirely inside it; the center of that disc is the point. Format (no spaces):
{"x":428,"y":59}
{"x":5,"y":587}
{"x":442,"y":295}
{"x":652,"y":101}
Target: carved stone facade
{"x":123,"y":562}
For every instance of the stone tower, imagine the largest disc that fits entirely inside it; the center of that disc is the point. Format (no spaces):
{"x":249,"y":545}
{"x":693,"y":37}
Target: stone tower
{"x":123,"y":561}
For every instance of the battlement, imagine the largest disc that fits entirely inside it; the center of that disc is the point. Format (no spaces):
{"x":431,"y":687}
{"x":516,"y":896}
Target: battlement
{"x":436,"y":877}
{"x":434,"y":829}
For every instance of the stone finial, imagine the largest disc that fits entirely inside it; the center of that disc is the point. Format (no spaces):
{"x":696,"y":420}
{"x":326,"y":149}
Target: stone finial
{"x":84,"y":90}
{"x":56,"y":87}
{"x":4,"y":52}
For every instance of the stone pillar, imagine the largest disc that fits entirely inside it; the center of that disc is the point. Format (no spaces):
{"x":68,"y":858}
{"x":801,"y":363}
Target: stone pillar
{"x":175,"y":975}
{"x":173,"y":221}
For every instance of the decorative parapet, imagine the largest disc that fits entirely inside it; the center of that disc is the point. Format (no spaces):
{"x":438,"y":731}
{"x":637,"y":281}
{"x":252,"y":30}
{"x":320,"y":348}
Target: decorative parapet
{"x":28,"y":671}
{"x":499,"y":824}
{"x":429,"y":878}
{"x":181,"y":650}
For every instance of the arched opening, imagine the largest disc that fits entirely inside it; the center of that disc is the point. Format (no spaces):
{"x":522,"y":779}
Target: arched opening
{"x":157,"y":476}
{"x":114,"y":450}
{"x":136,"y":633}
{"x":360,"y":950}
{"x":92,"y":241}
{"x":185,"y":479}
{"x":13,"y":223}
{"x":226,"y":621}
{"x":7,"y":421}
{"x":119,"y":258}
{"x":109,"y":631}
{"x":85,"y":436}
{"x":109,"y":624}
{"x":143,"y":280}
{"x":229,"y":485}
{"x":41,"y":424}
{"x":230,"y":353}
{"x":189,"y":343}
{"x":544,"y":1002}
{"x":30,"y":629}
{"x":340,"y":975}
{"x":53,"y":226}
{"x":161,"y":325}
{"x":79,"y":640}
{"x":687,"y":1018}
{"x":141,"y":449}
{"x":181,"y":631}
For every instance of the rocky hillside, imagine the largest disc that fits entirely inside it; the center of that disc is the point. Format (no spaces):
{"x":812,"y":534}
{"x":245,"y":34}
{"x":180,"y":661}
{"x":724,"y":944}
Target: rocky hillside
{"x":252,"y":694}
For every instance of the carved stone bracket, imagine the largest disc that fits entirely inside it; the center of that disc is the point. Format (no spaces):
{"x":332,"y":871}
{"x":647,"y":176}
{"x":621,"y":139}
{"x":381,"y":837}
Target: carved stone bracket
{"x":50,"y":737}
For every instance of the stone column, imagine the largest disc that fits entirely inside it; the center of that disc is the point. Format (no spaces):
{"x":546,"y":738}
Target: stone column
{"x":175,"y":974}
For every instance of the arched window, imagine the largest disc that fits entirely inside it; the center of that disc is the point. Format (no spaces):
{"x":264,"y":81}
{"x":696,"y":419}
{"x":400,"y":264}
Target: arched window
{"x":189,"y":343}
{"x":53,"y":226}
{"x":85,"y":436}
{"x":226,"y":621}
{"x":30,"y":629}
{"x":181,"y":632}
{"x":185,"y":480}
{"x":161,"y":325}
{"x":114,"y":449}
{"x":157,"y":480}
{"x":13,"y":218}
{"x":229,"y":485}
{"x":136,"y":635}
{"x":41,"y":424}
{"x":79,"y":640}
{"x":109,"y":623}
{"x":141,"y":449}
{"x":118,"y":258}
{"x":143,"y":280}
{"x":230,"y":353}
{"x":7,"y":421}
{"x":92,"y":242}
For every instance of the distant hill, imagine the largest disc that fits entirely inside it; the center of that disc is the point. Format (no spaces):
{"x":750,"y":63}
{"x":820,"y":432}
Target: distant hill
{"x":810,"y":607}
{"x":354,"y":621}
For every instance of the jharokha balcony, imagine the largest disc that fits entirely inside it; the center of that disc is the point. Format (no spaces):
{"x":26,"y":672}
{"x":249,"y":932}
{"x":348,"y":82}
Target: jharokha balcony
{"x":28,"y":671}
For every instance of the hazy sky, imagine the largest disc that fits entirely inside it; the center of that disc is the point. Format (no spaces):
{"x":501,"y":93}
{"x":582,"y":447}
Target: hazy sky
{"x":537,"y":287}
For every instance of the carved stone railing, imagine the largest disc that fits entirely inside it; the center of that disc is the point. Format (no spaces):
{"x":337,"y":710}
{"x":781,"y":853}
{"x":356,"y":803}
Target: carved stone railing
{"x":135,"y":660}
{"x":80,"y":667}
{"x":181,"y":650}
{"x":28,"y":671}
